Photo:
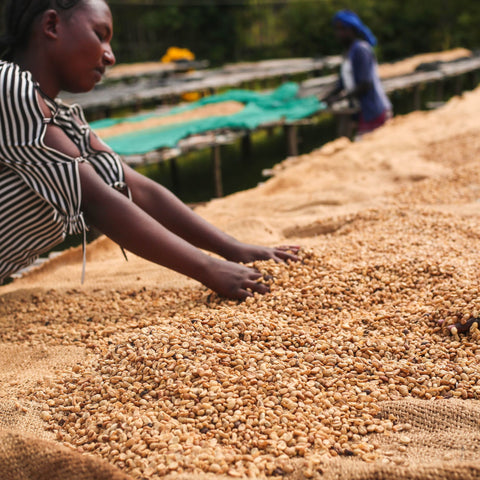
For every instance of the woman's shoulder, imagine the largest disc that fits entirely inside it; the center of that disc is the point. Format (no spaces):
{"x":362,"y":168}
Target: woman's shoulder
{"x":362,"y":46}
{"x":16,"y":84}
{"x":8,"y":72}
{"x":20,"y":106}
{"x":11,"y":71}
{"x":361,"y":50}
{"x":6,"y":66}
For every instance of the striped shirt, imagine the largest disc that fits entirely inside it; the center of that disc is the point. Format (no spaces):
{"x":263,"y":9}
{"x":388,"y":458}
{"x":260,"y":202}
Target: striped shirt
{"x":40,"y":192}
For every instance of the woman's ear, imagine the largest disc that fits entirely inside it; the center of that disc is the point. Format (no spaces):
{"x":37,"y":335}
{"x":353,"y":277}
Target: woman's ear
{"x":49,"y":24}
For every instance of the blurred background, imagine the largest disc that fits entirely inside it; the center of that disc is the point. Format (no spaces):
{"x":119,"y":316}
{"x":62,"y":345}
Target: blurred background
{"x":220,"y":32}
{"x":232,"y":30}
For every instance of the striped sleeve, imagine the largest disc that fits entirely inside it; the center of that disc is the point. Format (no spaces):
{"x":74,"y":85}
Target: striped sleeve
{"x":52,"y":175}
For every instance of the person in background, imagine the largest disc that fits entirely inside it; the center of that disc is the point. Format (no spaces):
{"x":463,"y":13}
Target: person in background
{"x":359,"y":80}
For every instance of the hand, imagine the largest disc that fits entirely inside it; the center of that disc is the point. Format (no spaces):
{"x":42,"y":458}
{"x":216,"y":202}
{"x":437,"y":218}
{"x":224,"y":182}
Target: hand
{"x":332,"y":99}
{"x":459,"y":327}
{"x":244,"y":253}
{"x":232,"y":280}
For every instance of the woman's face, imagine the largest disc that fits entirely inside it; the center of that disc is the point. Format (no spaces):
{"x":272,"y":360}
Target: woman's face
{"x":345,"y":34}
{"x":83,"y":49}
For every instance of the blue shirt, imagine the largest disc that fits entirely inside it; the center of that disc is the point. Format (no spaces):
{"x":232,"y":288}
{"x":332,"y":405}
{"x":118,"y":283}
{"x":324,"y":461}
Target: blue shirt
{"x":365,"y":69}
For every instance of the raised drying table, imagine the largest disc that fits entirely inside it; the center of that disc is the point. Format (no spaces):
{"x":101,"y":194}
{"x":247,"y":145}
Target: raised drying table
{"x":106,"y":98}
{"x":317,"y":87}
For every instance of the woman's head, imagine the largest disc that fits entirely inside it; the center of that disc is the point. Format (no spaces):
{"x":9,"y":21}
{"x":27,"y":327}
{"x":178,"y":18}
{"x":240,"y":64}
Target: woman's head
{"x":72,"y":37}
{"x":345,"y":34}
{"x":349,"y":26}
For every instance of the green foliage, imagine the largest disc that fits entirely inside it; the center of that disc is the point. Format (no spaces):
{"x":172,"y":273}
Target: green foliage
{"x":403,"y":27}
{"x":144,"y":32}
{"x":225,"y":31}
{"x":233,"y":30}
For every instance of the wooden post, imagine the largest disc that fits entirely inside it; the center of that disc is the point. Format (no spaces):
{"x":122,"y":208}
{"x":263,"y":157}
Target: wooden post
{"x":472,"y":79}
{"x":476,"y":78}
{"x":270,"y":131}
{"x":247,"y":147}
{"x":344,"y":125}
{"x":417,"y":97}
{"x":459,"y":85}
{"x":174,"y":174}
{"x":292,"y":139}
{"x":217,"y":171}
{"x":440,"y":90}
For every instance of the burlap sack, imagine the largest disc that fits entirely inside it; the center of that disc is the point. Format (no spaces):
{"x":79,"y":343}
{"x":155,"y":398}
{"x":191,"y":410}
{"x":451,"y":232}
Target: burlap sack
{"x":453,"y":471}
{"x":445,"y":444}
{"x":27,"y":458}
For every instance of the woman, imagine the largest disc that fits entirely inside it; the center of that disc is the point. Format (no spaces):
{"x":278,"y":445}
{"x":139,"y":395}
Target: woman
{"x":359,"y":74}
{"x":56,"y":176}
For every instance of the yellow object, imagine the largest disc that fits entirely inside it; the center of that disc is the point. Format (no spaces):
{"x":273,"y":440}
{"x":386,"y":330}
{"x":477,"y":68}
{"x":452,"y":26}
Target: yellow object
{"x":191,"y":96}
{"x":175,"y":54}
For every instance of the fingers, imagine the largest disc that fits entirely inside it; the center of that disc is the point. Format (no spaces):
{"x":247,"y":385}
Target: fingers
{"x":254,"y":274}
{"x":283,"y":256}
{"x":292,"y":248}
{"x":257,"y":287}
{"x":253,"y":283}
{"x":248,"y":283}
{"x":463,"y":328}
{"x":242,"y":294}
{"x":459,"y":327}
{"x":286,"y":252}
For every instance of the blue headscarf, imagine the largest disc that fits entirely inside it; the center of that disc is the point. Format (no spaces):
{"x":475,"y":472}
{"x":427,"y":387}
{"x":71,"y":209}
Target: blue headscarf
{"x":351,"y":19}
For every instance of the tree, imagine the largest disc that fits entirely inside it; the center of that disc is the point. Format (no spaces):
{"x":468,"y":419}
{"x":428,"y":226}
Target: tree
{"x":232,"y":30}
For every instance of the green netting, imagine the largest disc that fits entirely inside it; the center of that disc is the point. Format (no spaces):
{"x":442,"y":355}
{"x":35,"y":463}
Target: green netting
{"x":260,"y":109}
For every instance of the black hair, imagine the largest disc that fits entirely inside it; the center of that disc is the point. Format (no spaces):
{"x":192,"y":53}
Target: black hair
{"x":19,"y":16}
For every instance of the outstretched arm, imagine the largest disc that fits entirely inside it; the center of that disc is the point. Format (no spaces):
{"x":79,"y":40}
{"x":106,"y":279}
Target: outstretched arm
{"x":167,"y":209}
{"x":359,"y":91}
{"x":137,"y":231}
{"x":132,"y":228}
{"x":330,"y":97}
